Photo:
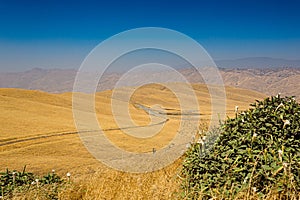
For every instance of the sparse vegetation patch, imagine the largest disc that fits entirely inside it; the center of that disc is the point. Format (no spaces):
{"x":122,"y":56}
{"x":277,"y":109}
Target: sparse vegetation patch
{"x":15,"y":182}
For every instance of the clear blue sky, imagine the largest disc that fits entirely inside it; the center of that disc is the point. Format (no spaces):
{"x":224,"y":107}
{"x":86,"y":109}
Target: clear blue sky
{"x":56,"y":34}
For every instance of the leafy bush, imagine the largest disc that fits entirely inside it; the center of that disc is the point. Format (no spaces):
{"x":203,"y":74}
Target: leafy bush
{"x":15,"y":181}
{"x":257,"y":153}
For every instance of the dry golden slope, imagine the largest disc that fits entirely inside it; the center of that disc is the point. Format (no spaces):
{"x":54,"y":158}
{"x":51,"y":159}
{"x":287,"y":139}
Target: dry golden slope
{"x":26,"y":116}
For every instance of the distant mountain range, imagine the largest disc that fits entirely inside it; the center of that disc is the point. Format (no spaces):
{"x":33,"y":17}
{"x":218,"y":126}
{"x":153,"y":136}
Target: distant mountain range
{"x":269,"y":81}
{"x":285,"y":80}
{"x":258,"y":62}
{"x":52,"y":80}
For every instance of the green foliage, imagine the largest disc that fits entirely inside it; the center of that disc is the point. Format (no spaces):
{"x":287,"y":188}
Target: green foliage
{"x":14,"y":181}
{"x":258,"y":151}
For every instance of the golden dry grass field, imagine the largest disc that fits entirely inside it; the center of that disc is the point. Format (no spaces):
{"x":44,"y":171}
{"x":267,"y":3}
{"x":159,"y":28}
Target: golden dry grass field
{"x":37,"y":130}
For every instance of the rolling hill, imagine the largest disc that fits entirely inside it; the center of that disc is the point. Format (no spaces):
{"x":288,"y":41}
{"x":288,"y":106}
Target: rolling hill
{"x":37,"y":130}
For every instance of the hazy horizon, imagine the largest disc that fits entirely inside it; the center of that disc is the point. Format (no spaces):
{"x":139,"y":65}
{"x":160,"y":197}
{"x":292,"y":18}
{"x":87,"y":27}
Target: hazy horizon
{"x":241,"y":63}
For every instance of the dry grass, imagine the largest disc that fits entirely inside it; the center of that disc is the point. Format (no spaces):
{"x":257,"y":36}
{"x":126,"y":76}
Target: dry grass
{"x":110,"y":184}
{"x":26,"y":114}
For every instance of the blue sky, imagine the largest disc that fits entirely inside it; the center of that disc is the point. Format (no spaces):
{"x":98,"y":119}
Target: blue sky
{"x":56,"y":34}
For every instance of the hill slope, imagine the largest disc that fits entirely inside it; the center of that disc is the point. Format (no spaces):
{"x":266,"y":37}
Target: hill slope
{"x":26,"y":113}
{"x":37,"y":130}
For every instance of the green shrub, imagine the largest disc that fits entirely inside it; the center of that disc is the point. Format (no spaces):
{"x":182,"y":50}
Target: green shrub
{"x":14,"y":181}
{"x":256,"y":153}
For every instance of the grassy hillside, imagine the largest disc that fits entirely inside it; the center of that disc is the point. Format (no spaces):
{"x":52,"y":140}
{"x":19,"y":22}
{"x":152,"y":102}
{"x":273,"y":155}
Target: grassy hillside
{"x":37,"y":130}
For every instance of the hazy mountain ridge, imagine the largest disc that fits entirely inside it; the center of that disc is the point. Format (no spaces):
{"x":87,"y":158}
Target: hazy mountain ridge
{"x":258,"y":63}
{"x":53,"y":80}
{"x":267,"y":80}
